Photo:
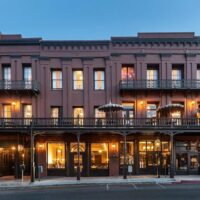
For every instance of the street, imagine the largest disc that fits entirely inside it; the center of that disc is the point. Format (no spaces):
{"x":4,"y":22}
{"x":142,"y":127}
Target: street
{"x":107,"y":191}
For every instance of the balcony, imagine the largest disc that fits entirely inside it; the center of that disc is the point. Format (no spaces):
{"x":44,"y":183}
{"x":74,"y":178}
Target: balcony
{"x":126,"y":85}
{"x":32,"y":86}
{"x":95,"y":124}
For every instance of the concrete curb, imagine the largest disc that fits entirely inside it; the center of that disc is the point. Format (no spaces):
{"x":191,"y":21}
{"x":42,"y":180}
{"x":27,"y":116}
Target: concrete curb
{"x":47,"y":184}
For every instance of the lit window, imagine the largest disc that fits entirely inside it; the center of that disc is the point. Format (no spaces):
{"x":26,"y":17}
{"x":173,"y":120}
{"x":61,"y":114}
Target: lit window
{"x":99,"y":114}
{"x":27,"y":111}
{"x":129,"y":153}
{"x":78,"y":80}
{"x":56,"y":76}
{"x":7,"y":111}
{"x":127,"y":72}
{"x":99,"y":156}
{"x":99,"y":77}
{"x":74,"y":147}
{"x":56,"y":155}
{"x":78,"y":114}
{"x":54,"y":112}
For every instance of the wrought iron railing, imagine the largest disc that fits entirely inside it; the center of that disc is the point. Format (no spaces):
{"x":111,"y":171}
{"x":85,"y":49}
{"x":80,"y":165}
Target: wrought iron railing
{"x":159,"y":84}
{"x":102,"y":123}
{"x":19,"y":85}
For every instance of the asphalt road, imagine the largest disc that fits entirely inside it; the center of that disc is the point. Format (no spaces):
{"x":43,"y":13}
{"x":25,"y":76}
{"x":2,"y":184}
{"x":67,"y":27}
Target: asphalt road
{"x":104,"y":192}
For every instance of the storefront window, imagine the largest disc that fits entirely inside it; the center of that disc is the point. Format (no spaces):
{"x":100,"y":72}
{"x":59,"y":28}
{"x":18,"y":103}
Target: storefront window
{"x":142,"y":159}
{"x":194,"y":162}
{"x":99,"y":156}
{"x":181,"y":161}
{"x":165,"y":146}
{"x":129,"y":153}
{"x":56,"y":155}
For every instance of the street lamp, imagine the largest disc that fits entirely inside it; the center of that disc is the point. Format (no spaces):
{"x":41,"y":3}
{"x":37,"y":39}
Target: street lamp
{"x":157,"y":147}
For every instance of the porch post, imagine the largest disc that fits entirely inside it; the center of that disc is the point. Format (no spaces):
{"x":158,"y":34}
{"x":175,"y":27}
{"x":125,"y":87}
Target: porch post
{"x":32,"y":157}
{"x":78,"y":151}
{"x":125,"y":167}
{"x":171,"y":155}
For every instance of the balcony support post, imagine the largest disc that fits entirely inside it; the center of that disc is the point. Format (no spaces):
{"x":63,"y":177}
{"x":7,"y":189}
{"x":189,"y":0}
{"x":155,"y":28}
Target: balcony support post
{"x":32,"y":156}
{"x":171,"y":155}
{"x":125,"y":152}
{"x":78,"y":152}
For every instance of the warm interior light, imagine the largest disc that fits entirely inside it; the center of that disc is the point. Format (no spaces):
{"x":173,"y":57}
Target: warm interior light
{"x":13,"y":103}
{"x":192,"y":102}
{"x":141,"y":102}
{"x":100,"y":151}
{"x":13,"y":148}
{"x":113,"y":145}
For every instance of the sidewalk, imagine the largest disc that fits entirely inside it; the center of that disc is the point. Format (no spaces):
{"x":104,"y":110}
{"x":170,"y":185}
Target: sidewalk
{"x":9,"y":182}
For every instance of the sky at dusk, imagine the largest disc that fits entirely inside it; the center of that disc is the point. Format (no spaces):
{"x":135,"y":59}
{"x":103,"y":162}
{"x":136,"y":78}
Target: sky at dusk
{"x":97,"y":19}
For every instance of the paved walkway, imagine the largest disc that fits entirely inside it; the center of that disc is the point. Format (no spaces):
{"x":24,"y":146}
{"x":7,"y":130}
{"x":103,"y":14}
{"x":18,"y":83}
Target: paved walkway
{"x":10,"y":182}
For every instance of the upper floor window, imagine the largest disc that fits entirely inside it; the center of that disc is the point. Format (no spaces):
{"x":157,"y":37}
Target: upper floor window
{"x":198,"y":72}
{"x":27,"y":73}
{"x":177,"y":72}
{"x":151,"y":110}
{"x":78,"y":114}
{"x":127,"y":72}
{"x":99,"y":114}
{"x":129,"y":110}
{"x":7,"y":111}
{"x":56,"y":76}
{"x":78,"y":80}
{"x":27,"y":111}
{"x":56,"y":111}
{"x":6,"y":72}
{"x":99,"y":80}
{"x":7,"y":76}
{"x":152,"y":72}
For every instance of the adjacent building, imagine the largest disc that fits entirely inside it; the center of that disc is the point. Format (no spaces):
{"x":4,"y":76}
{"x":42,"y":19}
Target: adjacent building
{"x":50,"y":92}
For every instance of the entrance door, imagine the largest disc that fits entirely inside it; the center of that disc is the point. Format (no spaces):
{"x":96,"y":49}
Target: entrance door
{"x":74,"y":163}
{"x":7,"y":162}
{"x":193,"y":164}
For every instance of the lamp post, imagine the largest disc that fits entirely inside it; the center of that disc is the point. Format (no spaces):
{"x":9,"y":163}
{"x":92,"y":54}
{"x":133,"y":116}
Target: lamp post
{"x":157,"y":144}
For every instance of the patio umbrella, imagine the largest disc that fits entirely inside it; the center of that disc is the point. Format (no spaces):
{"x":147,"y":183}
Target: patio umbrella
{"x":110,"y":107}
{"x":170,"y":107}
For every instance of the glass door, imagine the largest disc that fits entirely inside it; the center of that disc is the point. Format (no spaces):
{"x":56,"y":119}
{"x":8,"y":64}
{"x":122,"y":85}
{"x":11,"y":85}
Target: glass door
{"x":75,"y":161}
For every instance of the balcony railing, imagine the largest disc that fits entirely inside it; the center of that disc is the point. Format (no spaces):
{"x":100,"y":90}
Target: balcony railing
{"x":100,"y":123}
{"x":159,"y":84}
{"x":19,"y":85}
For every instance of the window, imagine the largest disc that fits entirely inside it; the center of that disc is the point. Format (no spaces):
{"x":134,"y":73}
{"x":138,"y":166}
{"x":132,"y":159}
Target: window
{"x":56,"y":155}
{"x":78,"y":80}
{"x":99,"y":114}
{"x":78,"y":114}
{"x":127,"y":72}
{"x":129,"y":110}
{"x":99,"y":156}
{"x":99,"y":80}
{"x":129,"y":153}
{"x":56,"y":113}
{"x":177,"y":76}
{"x":56,"y":76}
{"x":152,"y":76}
{"x":27,"y":111}
{"x":7,"y":76}
{"x":7,"y":111}
{"x":198,"y":76}
{"x":151,"y":110}
{"x":27,"y":76}
{"x":74,"y":147}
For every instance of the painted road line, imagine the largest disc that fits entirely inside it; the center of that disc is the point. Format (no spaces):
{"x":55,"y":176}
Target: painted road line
{"x":135,"y":187}
{"x":162,"y":186}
